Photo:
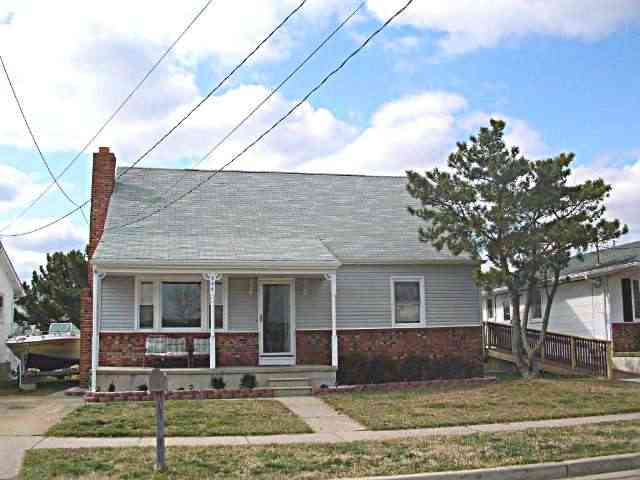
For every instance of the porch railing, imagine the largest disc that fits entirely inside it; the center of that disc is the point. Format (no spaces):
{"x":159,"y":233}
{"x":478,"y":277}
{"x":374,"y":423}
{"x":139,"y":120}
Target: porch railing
{"x":575,"y":353}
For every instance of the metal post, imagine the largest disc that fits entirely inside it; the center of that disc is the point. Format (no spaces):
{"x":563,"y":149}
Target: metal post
{"x":158,"y":387}
{"x":160,"y":446}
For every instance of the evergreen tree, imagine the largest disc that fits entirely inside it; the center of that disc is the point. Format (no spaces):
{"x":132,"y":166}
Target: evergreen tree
{"x":521,"y":219}
{"x":54,"y":293}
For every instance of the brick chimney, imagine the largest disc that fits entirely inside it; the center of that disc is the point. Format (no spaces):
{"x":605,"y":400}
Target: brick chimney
{"x":103,"y":179}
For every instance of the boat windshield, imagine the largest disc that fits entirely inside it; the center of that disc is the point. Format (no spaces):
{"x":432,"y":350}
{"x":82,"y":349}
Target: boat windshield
{"x":63,"y":329}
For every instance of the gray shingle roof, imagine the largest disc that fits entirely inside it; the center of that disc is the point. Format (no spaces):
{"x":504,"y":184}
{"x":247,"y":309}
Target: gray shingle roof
{"x":618,"y":255}
{"x":263,"y":217}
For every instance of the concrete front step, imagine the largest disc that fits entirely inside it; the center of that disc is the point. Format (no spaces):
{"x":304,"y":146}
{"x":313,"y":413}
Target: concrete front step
{"x":289,"y":382}
{"x":299,"y":391}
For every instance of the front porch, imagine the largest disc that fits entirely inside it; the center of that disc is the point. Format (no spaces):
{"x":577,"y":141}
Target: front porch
{"x":197,"y":326}
{"x":305,"y":377}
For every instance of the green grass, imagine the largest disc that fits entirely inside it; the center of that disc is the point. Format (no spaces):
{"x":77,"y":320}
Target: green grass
{"x":504,"y":401}
{"x":188,"y":418}
{"x":295,"y":462}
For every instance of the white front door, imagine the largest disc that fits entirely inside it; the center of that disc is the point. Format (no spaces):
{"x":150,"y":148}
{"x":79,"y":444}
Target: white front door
{"x":276,"y":321}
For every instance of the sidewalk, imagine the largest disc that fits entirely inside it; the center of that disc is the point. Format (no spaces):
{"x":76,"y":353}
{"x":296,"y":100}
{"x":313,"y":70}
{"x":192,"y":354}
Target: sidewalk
{"x":328,"y":437}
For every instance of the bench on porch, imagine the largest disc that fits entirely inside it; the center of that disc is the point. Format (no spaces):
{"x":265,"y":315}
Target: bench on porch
{"x":167,"y":348}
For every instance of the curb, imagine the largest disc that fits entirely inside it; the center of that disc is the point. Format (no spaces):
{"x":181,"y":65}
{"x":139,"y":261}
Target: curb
{"x":536,"y":471}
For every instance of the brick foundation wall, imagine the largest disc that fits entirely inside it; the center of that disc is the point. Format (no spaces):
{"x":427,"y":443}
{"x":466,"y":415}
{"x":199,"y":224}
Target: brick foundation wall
{"x":313,"y":347}
{"x":128,"y":350}
{"x":626,"y":337}
{"x":237,"y":349}
{"x":376,"y":356}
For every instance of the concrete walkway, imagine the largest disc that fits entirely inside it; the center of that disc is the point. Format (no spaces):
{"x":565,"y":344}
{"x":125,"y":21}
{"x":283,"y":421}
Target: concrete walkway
{"x":23,"y":419}
{"x":320,"y":417}
{"x":329,"y":437}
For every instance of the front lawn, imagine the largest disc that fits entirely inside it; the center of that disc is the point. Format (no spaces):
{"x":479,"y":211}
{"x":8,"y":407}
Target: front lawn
{"x":504,"y":401}
{"x":293,"y":462}
{"x":184,"y":418}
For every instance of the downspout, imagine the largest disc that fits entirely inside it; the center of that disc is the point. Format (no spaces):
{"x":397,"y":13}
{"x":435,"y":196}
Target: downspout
{"x":95,"y":329}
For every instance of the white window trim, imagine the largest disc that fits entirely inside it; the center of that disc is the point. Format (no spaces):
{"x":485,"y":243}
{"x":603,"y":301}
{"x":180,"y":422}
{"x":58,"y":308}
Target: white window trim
{"x":493,"y":315}
{"x":157,"y":303}
{"x":423,"y":316}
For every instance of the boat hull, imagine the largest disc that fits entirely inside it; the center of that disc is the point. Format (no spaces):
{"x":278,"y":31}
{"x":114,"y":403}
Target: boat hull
{"x":47,"y":353}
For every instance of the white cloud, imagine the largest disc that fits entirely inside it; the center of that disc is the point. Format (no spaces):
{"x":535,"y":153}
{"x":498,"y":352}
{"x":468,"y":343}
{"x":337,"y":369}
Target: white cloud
{"x":625,"y":195}
{"x":73,"y":62}
{"x":16,"y":188}
{"x":471,"y":24}
{"x":28,"y":253}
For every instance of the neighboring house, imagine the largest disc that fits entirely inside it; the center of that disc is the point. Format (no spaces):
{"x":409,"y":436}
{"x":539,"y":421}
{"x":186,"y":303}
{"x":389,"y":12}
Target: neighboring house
{"x":598,"y":298}
{"x":303,"y":274}
{"x":10,"y":288}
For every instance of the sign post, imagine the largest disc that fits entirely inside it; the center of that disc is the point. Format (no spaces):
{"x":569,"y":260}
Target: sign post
{"x":158,"y":387}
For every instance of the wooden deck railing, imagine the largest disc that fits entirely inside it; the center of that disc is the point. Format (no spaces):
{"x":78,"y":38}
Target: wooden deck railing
{"x":576,"y":353}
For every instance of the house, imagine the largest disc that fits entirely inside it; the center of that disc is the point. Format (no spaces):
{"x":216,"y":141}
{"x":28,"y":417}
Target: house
{"x":10,"y":289}
{"x":273,"y":274}
{"x":598,"y":298}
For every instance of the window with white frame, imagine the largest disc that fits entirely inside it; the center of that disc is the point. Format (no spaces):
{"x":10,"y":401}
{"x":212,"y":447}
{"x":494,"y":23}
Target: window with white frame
{"x":490,"y":307}
{"x":146,"y":308}
{"x":536,"y":304}
{"x":506,"y":311}
{"x":407,"y":300}
{"x":181,"y":304}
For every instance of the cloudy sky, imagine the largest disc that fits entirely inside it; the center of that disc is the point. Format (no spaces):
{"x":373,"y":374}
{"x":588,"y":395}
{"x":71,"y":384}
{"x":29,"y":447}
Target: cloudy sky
{"x":563,"y":73}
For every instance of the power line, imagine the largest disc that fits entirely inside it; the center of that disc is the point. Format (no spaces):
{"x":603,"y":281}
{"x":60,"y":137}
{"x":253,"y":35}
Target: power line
{"x":213,"y":90}
{"x":268,"y":97}
{"x":35,"y":141}
{"x":109,"y":119}
{"x":180,"y":122}
{"x":273,"y":127}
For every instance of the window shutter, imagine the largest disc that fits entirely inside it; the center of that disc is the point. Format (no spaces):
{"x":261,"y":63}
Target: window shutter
{"x":627,"y":301}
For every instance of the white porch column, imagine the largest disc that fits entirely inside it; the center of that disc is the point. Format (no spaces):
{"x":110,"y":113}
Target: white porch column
{"x":212,"y":277}
{"x":95,"y":331}
{"x":334,"y":330}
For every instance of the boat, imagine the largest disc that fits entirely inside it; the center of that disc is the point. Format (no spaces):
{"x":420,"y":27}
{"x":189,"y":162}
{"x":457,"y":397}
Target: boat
{"x":58,"y":349}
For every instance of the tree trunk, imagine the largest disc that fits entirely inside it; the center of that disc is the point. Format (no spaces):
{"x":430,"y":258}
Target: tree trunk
{"x":516,"y":336}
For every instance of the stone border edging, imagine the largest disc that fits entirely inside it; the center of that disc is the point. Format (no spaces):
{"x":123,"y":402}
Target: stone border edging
{"x":208,"y":394}
{"x":535,"y":471}
{"x":388,"y":387}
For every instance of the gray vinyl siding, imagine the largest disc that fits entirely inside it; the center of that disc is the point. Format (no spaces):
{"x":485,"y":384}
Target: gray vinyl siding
{"x":313,"y":304}
{"x":243,"y":307}
{"x":117,"y":303}
{"x":364,"y":295}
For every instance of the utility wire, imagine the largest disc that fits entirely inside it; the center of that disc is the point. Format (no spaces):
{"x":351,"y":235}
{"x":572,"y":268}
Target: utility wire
{"x":108,"y":120}
{"x":267,"y":98}
{"x":180,"y":122}
{"x":35,"y":141}
{"x":212,"y":91}
{"x":270,"y":129}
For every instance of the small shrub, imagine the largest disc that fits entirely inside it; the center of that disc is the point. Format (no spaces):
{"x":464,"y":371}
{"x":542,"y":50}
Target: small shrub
{"x":142,"y":388}
{"x":376,"y":371}
{"x":218,"y":383}
{"x":112,"y":387}
{"x":413,"y":369}
{"x":248,"y":381}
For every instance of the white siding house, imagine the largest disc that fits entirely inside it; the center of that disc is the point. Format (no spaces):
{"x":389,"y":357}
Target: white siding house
{"x":10,"y":288}
{"x":599,"y":298}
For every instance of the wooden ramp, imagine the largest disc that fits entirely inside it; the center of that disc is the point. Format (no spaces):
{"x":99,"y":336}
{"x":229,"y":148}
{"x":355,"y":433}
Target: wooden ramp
{"x":561,"y":354}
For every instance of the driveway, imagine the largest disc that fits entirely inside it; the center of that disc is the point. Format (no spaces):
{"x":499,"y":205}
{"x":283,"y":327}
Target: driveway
{"x":23,"y":420}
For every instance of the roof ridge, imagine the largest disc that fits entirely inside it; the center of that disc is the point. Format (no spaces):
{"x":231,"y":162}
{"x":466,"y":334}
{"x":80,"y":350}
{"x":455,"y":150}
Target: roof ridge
{"x":270,"y":172}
